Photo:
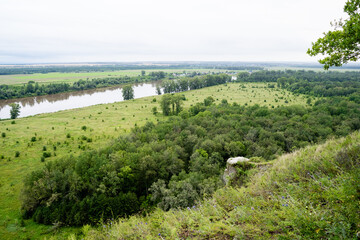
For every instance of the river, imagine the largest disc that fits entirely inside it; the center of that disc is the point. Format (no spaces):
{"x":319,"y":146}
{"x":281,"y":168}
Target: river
{"x":56,"y":102}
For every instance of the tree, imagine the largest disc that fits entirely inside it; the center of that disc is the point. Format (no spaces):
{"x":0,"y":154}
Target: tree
{"x":208,"y":101}
{"x":341,"y":45}
{"x":158,"y":90}
{"x":171,"y":104}
{"x":165,"y":103}
{"x":128,"y":92}
{"x":15,"y":110}
{"x":142,"y":72}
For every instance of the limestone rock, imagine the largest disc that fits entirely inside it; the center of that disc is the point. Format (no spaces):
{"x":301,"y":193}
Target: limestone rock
{"x":230,"y":171}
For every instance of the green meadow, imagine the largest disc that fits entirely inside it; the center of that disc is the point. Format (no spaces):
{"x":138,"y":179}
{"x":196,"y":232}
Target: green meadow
{"x":28,"y":143}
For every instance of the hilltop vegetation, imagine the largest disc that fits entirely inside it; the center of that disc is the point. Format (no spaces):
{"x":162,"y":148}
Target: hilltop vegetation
{"x":103,"y":123}
{"x":312,"y":193}
{"x":173,"y":163}
{"x":178,"y":161}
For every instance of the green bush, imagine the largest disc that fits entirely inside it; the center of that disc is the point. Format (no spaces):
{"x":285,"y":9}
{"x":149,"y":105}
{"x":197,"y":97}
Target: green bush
{"x":46,"y":154}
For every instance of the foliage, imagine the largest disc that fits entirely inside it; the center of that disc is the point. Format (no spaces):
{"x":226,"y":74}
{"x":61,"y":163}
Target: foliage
{"x":320,"y":84}
{"x":309,"y":194}
{"x":171,"y":104}
{"x":180,"y":160}
{"x":184,"y":84}
{"x":128,"y":92}
{"x":342,"y":44}
{"x":15,"y":110}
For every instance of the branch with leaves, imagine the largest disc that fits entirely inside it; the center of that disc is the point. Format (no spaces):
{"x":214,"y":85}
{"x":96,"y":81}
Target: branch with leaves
{"x":341,"y":45}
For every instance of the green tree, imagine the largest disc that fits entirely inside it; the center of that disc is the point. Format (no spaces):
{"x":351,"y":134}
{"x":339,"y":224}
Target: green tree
{"x":208,"y":101}
{"x":142,"y":72}
{"x":171,"y":104}
{"x":154,"y":110}
{"x":342,"y":44}
{"x":15,"y":110}
{"x":158,"y":90}
{"x":165,"y":104}
{"x":128,"y":92}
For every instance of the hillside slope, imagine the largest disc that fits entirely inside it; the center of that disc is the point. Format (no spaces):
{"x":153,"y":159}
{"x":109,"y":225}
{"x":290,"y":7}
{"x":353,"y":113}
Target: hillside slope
{"x":313,"y":193}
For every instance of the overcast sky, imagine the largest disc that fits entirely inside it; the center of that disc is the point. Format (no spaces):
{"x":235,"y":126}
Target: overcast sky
{"x":40,"y":31}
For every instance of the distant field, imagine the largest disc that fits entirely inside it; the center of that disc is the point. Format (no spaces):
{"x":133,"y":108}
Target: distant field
{"x":103,"y":124}
{"x":312,"y":69}
{"x":57,"y":77}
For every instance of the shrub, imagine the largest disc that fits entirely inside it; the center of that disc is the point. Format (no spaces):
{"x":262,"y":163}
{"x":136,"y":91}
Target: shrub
{"x":46,"y":154}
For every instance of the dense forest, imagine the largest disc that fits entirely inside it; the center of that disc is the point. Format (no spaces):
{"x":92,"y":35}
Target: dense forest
{"x":177,"y":162}
{"x":320,"y":84}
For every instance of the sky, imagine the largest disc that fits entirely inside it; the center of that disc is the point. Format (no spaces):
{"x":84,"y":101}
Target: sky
{"x":43,"y":31}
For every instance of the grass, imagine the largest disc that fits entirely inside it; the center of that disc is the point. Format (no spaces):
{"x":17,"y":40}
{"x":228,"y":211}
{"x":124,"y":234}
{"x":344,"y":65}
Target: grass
{"x":312,"y":193}
{"x":65,"y":131}
{"x":58,"y":77}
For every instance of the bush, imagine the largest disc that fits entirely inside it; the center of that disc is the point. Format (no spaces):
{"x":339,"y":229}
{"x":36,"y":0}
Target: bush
{"x":46,"y":154}
{"x":17,"y":154}
{"x":3,"y":134}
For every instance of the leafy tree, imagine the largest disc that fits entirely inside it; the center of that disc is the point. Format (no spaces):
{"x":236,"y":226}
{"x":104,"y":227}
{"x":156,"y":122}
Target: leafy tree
{"x":342,"y":44}
{"x":15,"y":110}
{"x":158,"y":90}
{"x":142,"y":72}
{"x":208,"y":101}
{"x":171,"y":104}
{"x":154,"y":110}
{"x":128,"y":92}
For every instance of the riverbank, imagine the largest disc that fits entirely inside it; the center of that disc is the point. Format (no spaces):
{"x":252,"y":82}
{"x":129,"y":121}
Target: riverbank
{"x":31,"y":106}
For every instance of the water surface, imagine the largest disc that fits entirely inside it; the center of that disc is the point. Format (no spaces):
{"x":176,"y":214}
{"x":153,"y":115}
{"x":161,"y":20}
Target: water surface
{"x":56,"y":102}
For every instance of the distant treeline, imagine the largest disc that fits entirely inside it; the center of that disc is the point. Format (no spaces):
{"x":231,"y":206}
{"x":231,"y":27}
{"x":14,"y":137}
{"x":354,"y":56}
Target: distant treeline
{"x":320,"y":84}
{"x":34,"y":89}
{"x":184,"y":84}
{"x":67,"y":69}
{"x":106,"y":68}
{"x":177,"y":162}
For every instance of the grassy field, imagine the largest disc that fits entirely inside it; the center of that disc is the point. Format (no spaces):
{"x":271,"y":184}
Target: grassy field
{"x":74,"y":131}
{"x":58,"y":77}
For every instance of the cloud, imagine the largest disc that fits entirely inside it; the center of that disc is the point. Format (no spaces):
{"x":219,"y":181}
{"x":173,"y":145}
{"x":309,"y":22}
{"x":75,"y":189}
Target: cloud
{"x":109,"y":30}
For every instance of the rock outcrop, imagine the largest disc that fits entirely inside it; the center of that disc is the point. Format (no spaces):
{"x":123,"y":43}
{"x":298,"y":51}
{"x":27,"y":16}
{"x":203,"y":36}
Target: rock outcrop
{"x":230,"y":171}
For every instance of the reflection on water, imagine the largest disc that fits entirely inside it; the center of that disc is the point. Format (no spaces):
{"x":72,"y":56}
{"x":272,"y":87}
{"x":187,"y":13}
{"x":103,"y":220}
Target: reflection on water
{"x":69,"y":100}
